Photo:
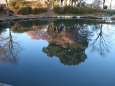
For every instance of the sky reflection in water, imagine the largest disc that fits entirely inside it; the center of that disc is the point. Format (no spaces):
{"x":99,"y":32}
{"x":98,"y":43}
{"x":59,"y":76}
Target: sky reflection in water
{"x":57,"y":53}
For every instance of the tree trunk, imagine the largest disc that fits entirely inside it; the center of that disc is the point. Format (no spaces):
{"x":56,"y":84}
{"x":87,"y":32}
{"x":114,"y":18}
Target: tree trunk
{"x":7,"y":8}
{"x":103,"y":3}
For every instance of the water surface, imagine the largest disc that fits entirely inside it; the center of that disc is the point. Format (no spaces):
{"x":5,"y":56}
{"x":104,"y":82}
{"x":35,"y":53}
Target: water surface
{"x":57,"y":53}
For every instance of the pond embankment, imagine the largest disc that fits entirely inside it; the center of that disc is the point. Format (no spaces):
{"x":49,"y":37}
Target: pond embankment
{"x":31,"y":17}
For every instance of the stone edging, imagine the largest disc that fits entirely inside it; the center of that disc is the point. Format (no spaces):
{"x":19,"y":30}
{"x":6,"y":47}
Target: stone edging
{"x":18,"y":18}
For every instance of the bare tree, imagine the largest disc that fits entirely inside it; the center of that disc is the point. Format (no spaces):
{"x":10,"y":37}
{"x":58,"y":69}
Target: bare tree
{"x":110,"y":2}
{"x":79,"y":2}
{"x":96,"y":4}
{"x":103,"y":3}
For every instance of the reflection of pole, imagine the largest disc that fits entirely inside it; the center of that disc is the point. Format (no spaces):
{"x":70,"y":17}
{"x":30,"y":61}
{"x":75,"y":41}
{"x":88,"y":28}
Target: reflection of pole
{"x":7,"y":8}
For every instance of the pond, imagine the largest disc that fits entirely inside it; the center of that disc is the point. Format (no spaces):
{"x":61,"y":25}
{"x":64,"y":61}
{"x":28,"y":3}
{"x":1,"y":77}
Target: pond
{"x":57,"y":52}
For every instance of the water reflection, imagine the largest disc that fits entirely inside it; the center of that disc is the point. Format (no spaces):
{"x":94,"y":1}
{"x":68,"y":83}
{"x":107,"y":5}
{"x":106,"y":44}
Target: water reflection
{"x":9,"y":48}
{"x":68,"y":43}
{"x":68,"y":39}
{"x":103,"y":39}
{"x":24,"y":26}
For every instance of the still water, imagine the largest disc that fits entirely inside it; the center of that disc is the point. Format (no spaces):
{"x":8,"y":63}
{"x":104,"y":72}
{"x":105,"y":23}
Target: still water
{"x":57,"y":53}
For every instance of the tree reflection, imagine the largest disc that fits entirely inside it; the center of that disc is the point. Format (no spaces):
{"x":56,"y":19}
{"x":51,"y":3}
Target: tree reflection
{"x":67,"y":39}
{"x":24,"y":26}
{"x":71,"y":55}
{"x":9,"y":49}
{"x":2,"y":28}
{"x":68,"y":43}
{"x":102,"y":41}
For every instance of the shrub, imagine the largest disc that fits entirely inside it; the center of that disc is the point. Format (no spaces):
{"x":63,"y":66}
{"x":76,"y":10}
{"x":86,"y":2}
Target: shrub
{"x":1,"y":8}
{"x":91,"y":10}
{"x":110,"y":12}
{"x":39,"y":10}
{"x":37,"y":4}
{"x":74,"y":10}
{"x":25,"y":10}
{"x":70,"y":9}
{"x":12,"y":6}
{"x":56,"y":4}
{"x":16,"y":6}
{"x":81,"y":10}
{"x":59,"y":10}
